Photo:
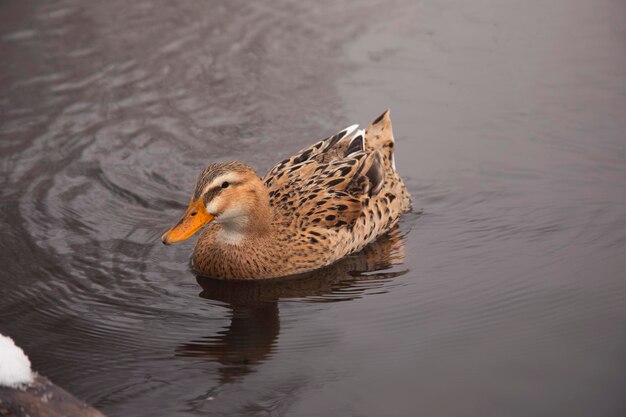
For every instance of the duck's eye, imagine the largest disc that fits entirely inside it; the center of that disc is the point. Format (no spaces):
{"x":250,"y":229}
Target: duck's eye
{"x":225,"y":184}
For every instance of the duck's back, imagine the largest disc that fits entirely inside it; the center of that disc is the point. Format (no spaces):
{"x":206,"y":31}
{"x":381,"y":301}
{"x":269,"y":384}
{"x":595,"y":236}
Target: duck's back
{"x":341,"y":193}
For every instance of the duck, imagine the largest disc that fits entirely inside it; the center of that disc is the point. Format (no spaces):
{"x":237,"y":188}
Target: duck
{"x":310,"y":210}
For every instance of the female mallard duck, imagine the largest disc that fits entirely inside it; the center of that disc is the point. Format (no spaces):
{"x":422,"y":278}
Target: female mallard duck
{"x":310,"y":210}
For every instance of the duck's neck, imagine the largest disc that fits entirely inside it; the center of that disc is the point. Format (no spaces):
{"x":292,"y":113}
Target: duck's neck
{"x":241,"y":246}
{"x":251,"y":224}
{"x":231,"y":233}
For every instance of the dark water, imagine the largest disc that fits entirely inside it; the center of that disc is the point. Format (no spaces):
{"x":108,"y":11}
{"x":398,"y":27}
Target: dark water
{"x":507,"y":297}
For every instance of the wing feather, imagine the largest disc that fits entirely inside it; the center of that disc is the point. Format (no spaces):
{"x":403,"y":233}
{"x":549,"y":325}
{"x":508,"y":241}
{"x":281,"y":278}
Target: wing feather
{"x":315,"y":152}
{"x":329,"y":195}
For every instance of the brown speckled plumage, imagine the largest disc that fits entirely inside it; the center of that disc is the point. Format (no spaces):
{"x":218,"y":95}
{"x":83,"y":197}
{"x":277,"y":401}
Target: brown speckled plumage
{"x":310,"y":210}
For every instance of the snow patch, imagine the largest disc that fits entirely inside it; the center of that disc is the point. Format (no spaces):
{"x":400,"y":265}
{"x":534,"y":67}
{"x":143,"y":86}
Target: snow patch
{"x":14,"y":364}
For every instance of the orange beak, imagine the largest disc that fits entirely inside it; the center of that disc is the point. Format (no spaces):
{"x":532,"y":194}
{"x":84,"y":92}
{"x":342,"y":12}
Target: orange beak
{"x":194,"y":218}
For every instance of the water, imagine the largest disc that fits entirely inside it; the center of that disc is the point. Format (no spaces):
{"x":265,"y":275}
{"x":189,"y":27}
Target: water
{"x":505,"y":297}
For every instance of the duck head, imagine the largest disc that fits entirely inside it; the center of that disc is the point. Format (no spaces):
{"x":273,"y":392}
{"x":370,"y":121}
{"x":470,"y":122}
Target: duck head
{"x":230,"y":194}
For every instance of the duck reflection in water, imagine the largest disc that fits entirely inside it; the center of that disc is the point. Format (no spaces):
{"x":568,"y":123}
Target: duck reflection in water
{"x":255,"y":324}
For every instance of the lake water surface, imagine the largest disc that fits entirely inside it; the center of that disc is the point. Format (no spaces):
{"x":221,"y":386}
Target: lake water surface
{"x":505,"y":297}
